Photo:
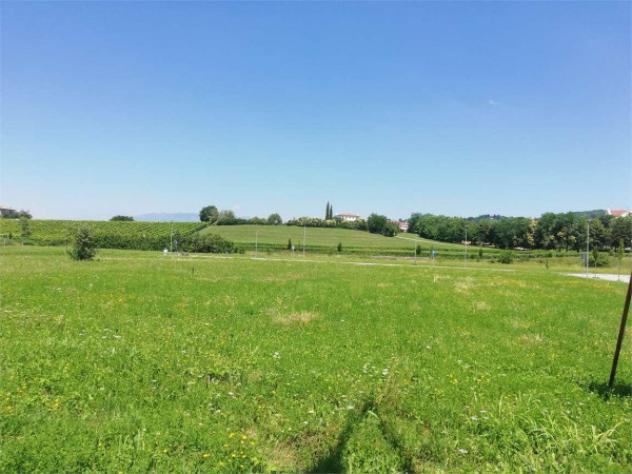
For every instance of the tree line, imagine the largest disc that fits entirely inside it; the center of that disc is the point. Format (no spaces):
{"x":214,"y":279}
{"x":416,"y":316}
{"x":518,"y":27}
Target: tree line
{"x":375,"y":223}
{"x":567,"y":231}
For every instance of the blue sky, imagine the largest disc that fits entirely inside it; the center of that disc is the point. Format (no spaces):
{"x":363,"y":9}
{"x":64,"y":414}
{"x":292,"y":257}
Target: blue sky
{"x":457,"y":108}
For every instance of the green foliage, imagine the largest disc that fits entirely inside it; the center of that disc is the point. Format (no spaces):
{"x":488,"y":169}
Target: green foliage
{"x":13,"y":214}
{"x":274,"y":219}
{"x":339,"y":247}
{"x":207,"y":243}
{"x":598,"y":259}
{"x":329,"y":212}
{"x":107,"y":234}
{"x":506,"y":257}
{"x":565,"y":231}
{"x":378,"y":224}
{"x":25,"y":228}
{"x":227,"y":218}
{"x":83,"y":245}
{"x":289,"y":244}
{"x":122,"y":218}
{"x":209,"y":214}
{"x":418,"y":250}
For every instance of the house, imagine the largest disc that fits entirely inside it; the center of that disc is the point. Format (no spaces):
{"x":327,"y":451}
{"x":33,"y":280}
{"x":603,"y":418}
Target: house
{"x":347,"y":217}
{"x":8,"y":212}
{"x":403,"y":225}
{"x":619,"y":212}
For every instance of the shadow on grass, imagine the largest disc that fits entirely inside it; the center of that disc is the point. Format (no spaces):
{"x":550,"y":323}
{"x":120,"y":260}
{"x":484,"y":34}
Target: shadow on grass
{"x":332,"y":461}
{"x":619,"y":390}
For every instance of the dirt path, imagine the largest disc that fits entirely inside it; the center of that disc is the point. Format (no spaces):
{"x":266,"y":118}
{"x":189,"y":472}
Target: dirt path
{"x":602,"y":276}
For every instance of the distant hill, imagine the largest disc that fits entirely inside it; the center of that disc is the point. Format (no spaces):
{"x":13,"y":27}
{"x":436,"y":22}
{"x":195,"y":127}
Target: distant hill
{"x":168,"y":217}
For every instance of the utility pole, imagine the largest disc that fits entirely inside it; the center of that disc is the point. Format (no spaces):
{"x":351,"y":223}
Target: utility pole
{"x":171,"y":245}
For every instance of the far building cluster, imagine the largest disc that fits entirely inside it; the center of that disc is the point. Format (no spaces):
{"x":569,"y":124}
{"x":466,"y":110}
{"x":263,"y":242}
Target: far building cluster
{"x":619,"y":212}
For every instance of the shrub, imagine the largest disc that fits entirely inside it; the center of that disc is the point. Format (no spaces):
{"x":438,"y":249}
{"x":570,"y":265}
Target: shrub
{"x":25,"y":228}
{"x":207,"y":243}
{"x":84,"y":245}
{"x":390,"y":229}
{"x":122,"y":218}
{"x":339,"y":247}
{"x":506,"y":257}
{"x":418,"y":250}
{"x":598,"y":259}
{"x":275,"y":219}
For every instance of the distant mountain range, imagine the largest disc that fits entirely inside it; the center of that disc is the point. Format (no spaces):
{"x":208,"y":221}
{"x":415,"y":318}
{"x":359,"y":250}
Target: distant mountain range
{"x":168,"y":217}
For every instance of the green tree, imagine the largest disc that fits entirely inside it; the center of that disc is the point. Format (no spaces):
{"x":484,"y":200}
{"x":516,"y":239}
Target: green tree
{"x":122,"y":218}
{"x":376,"y":223}
{"x":84,"y":245}
{"x":25,"y":228}
{"x":599,"y":235}
{"x":329,"y":211}
{"x":226,"y":217}
{"x":275,"y":219}
{"x":418,"y":250}
{"x":339,"y":247}
{"x":620,"y":254}
{"x":621,"y":228}
{"x":209,"y":214}
{"x":289,"y":244}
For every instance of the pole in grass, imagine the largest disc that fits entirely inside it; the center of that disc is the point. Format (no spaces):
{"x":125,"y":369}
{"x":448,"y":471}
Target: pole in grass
{"x":171,"y":245}
{"x":587,"y":244}
{"x":624,"y":320}
{"x":465,"y":242}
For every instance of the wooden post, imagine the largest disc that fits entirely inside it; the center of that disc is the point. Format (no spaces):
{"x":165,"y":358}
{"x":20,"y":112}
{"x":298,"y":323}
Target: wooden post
{"x":624,"y":320}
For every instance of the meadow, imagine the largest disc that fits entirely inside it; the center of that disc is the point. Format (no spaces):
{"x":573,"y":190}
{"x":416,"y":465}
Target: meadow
{"x":326,"y":240}
{"x":139,"y":362}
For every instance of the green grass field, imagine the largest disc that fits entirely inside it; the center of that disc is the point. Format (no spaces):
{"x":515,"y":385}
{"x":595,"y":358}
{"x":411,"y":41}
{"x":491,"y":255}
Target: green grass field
{"x":326,"y":239}
{"x":139,"y":362}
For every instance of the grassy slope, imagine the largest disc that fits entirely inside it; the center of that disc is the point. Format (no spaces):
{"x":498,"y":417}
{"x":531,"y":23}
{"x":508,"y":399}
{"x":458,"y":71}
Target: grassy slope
{"x":352,"y":240}
{"x":139,"y":362}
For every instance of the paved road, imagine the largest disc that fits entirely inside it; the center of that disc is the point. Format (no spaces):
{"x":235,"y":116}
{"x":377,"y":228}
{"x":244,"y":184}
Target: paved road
{"x":602,"y":276}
